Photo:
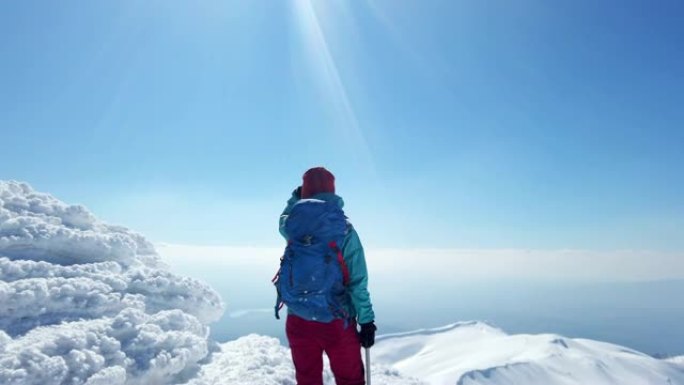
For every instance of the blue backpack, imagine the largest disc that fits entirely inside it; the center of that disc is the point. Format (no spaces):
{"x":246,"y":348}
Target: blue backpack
{"x":313,"y":275}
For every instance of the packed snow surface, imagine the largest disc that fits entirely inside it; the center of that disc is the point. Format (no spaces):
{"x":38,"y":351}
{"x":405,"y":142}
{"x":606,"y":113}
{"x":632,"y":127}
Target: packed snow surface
{"x":84,"y":302}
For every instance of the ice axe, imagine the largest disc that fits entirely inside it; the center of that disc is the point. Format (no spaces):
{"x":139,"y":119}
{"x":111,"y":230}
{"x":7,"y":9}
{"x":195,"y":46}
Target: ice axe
{"x":368,"y":368}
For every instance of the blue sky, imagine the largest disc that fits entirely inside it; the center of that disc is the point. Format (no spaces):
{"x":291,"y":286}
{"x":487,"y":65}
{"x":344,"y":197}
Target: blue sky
{"x":465,"y":124}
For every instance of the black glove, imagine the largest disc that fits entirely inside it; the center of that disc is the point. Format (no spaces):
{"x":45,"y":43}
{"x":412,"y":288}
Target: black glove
{"x":367,"y":334}
{"x":297,"y":193}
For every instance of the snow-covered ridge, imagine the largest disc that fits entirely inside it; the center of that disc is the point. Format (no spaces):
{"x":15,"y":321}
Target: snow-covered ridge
{"x":477,"y":353}
{"x":463,"y":353}
{"x":438,"y":330}
{"x":84,"y":302}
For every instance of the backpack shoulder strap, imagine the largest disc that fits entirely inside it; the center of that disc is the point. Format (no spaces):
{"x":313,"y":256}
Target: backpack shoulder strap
{"x":340,"y":259}
{"x":279,"y":299}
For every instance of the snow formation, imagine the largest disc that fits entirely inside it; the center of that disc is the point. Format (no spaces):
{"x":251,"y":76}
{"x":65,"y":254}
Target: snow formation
{"x":476,"y":353}
{"x":83,"y":302}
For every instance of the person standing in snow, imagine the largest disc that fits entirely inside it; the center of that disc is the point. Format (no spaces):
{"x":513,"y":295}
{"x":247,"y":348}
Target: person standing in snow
{"x":311,"y":331}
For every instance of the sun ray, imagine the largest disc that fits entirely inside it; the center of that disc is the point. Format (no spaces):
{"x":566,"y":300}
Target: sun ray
{"x":329,"y":79}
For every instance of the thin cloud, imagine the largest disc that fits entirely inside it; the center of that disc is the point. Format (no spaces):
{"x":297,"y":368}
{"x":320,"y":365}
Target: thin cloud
{"x":467,"y":264}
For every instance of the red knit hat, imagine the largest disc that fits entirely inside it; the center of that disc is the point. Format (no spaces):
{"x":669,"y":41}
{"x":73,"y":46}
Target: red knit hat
{"x":317,"y":180}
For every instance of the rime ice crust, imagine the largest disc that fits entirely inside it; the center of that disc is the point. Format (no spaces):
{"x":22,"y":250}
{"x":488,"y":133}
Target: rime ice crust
{"x":84,"y":302}
{"x":37,"y":226}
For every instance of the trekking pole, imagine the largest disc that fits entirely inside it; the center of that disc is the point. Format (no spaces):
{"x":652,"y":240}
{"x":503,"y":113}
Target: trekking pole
{"x":368,"y":369}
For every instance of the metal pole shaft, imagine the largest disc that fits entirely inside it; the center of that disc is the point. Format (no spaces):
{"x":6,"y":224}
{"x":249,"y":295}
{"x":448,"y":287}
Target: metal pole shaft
{"x":368,"y":367}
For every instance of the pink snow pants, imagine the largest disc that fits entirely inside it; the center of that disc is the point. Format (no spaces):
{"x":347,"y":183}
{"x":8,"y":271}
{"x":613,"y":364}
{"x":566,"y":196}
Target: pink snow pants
{"x":309,"y":339}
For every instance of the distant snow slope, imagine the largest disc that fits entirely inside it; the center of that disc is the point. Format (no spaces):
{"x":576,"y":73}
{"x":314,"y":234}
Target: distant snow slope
{"x":83,"y":302}
{"x":476,"y":353}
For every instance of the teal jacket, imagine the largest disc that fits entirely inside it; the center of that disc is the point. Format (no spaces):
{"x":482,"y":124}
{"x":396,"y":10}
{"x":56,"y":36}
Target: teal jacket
{"x":354,"y":257}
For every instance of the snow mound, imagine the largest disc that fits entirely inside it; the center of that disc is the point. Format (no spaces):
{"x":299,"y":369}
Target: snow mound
{"x":475,"y":353}
{"x":260,"y":360}
{"x":84,"y":302}
{"x":37,"y":226}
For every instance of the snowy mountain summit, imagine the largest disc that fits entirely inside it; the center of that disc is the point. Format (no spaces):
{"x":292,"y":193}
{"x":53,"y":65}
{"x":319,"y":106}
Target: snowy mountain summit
{"x":83,"y":302}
